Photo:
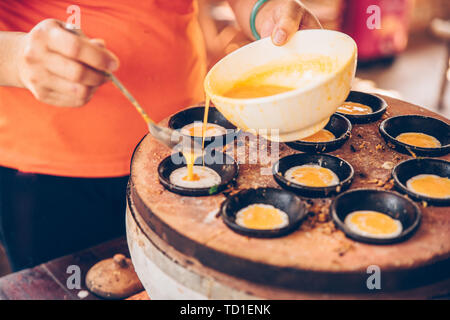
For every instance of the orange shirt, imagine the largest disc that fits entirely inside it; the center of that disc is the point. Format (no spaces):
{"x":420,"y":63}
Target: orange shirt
{"x":160,"y":47}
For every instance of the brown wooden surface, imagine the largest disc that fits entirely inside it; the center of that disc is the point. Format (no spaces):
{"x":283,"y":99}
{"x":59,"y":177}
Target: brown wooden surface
{"x":48,"y":281}
{"x":191,"y":227}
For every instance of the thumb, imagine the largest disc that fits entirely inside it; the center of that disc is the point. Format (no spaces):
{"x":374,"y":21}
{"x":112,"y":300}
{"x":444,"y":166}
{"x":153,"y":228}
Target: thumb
{"x":287,"y":21}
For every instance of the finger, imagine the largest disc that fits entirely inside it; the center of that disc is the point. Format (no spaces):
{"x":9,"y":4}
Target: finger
{"x":287,"y":20}
{"x":310,"y":21}
{"x":81,"y":49}
{"x":73,"y":70}
{"x":66,"y":87}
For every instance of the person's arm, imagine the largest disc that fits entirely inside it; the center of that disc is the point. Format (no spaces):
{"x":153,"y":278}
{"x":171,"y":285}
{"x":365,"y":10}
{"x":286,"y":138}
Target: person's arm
{"x":279,"y":19}
{"x":58,"y":67}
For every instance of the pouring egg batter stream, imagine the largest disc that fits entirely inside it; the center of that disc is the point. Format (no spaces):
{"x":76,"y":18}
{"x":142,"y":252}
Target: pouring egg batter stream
{"x":190,"y":157}
{"x":205,"y":120}
{"x":430,"y":185}
{"x":202,"y":130}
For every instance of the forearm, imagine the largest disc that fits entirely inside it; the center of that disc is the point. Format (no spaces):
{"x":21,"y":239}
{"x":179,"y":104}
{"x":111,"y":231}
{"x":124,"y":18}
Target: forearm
{"x":242,"y":10}
{"x":10,"y":49}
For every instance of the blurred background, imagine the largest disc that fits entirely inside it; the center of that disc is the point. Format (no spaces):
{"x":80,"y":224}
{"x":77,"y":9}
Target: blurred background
{"x":407,"y":58}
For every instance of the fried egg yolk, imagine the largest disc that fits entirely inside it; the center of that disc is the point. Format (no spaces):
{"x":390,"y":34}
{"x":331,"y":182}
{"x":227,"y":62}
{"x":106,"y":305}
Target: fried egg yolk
{"x":203,"y":177}
{"x":196,"y":130}
{"x":373,"y":224}
{"x":419,"y":140}
{"x":354,"y":108}
{"x":430,"y":185}
{"x":262,"y":217}
{"x":312,"y":176}
{"x":321,"y":136}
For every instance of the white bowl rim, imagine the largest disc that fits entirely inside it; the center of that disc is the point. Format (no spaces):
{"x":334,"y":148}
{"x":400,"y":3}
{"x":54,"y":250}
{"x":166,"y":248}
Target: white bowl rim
{"x":282,"y":95}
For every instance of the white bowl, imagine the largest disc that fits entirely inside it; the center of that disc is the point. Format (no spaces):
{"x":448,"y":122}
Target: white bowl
{"x":298,"y":113}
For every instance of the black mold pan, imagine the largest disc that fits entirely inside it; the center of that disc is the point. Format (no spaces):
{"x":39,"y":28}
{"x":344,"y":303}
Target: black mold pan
{"x":392,"y":127}
{"x":391,"y":203}
{"x":223,"y":164}
{"x":378,"y":105}
{"x":340,"y":167}
{"x":414,"y":167}
{"x":286,"y":201}
{"x":196,"y":114}
{"x":339,"y":125}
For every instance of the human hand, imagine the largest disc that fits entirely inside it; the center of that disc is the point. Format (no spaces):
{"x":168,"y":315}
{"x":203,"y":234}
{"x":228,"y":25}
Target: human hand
{"x":61,"y":68}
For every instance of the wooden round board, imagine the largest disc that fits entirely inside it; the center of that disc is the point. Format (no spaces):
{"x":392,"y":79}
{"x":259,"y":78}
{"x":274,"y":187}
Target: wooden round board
{"x":317,"y":257}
